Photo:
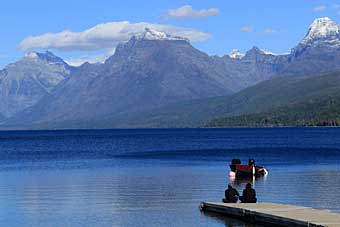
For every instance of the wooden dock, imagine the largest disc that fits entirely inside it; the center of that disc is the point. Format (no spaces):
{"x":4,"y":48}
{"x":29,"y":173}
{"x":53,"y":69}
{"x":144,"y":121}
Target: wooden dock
{"x":271,"y":214}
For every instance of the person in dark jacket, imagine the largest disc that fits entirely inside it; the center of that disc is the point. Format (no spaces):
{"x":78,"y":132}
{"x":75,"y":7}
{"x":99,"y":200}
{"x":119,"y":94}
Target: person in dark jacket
{"x":248,"y":195}
{"x":231,"y":195}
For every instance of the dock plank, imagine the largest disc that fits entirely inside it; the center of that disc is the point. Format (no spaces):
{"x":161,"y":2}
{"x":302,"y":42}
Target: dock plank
{"x":275,"y":214}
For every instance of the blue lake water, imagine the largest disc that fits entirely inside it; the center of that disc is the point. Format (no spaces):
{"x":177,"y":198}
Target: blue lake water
{"x":157,"y":177}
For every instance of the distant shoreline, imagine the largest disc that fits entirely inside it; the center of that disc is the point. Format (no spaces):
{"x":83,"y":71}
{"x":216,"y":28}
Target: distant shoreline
{"x":184,"y":128}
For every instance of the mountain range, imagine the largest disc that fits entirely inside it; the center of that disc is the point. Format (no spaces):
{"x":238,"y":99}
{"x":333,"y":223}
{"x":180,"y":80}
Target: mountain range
{"x":158,"y":80}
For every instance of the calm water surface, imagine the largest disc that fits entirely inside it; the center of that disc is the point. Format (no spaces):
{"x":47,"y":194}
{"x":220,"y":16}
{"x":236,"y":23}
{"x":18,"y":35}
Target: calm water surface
{"x":156,"y":178}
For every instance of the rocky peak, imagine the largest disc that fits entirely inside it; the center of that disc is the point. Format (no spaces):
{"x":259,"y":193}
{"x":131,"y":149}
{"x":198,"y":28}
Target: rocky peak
{"x":253,"y":53}
{"x":146,"y":43}
{"x":150,"y":35}
{"x":24,"y":83}
{"x":46,"y":57}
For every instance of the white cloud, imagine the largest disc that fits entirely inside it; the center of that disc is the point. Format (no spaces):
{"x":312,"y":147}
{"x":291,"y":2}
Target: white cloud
{"x":104,"y":36}
{"x":187,"y":12}
{"x":246,"y":29}
{"x":269,"y":30}
{"x":90,"y":59}
{"x":319,"y":8}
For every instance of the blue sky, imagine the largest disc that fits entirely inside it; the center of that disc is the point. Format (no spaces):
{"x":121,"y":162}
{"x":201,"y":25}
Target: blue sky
{"x":268,"y":24}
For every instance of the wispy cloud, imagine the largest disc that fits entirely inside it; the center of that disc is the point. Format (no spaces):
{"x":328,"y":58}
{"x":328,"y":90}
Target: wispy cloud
{"x":187,"y":12}
{"x":319,"y":8}
{"x":104,"y":36}
{"x":246,"y":29}
{"x":269,"y":31}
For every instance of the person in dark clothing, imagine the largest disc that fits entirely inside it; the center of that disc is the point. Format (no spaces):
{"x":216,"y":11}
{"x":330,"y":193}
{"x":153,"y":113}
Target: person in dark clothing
{"x":248,"y":195}
{"x":231,"y":195}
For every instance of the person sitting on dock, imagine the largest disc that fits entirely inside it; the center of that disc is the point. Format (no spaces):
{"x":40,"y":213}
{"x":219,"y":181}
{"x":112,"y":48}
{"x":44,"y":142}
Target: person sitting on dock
{"x":231,"y":195}
{"x":248,"y":195}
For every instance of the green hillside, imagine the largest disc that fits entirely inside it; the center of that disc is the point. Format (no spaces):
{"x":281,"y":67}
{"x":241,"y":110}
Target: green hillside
{"x":319,"y":112}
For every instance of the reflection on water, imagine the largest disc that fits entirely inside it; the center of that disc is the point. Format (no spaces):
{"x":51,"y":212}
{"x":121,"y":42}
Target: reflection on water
{"x":241,"y":181}
{"x":157,"y":196}
{"x":154,"y":196}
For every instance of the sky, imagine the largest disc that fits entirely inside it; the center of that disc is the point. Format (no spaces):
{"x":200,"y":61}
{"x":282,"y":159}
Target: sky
{"x":80,"y":30}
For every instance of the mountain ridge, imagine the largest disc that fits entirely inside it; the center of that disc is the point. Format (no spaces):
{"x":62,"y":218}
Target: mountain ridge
{"x":273,"y":95}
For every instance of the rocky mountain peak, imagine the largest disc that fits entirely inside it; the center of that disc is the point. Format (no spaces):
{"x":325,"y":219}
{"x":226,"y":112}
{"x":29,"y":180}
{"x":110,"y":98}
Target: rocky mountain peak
{"x":26,"y":81}
{"x":255,"y":49}
{"x":253,"y":53}
{"x":146,"y":43}
{"x":46,"y":57}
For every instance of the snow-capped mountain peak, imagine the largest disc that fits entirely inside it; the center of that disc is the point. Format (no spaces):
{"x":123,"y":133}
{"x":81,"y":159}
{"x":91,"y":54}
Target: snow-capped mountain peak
{"x":322,"y":28}
{"x":151,"y":34}
{"x":236,"y":54}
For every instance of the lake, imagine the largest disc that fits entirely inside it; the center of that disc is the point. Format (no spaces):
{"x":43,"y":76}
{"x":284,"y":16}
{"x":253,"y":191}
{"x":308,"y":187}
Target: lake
{"x":158,"y":177}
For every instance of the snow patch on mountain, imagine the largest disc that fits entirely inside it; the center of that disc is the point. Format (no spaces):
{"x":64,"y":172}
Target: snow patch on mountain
{"x":236,"y":54}
{"x":268,"y":52}
{"x":31,"y":55}
{"x":151,"y":34}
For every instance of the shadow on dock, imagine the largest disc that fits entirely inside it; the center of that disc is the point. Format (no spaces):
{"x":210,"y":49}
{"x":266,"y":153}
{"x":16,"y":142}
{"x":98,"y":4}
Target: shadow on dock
{"x":228,"y":222}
